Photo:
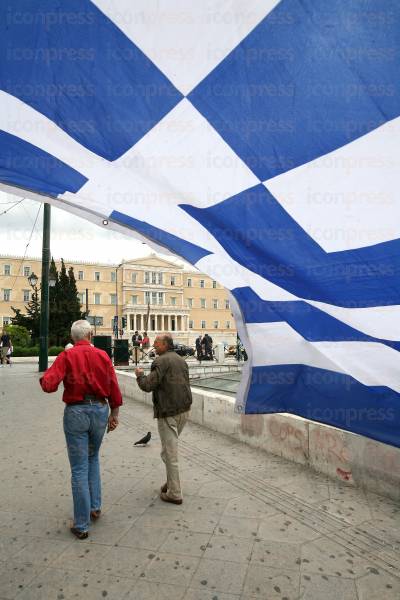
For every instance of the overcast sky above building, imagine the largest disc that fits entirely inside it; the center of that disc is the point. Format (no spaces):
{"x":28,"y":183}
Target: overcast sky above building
{"x":71,"y":237}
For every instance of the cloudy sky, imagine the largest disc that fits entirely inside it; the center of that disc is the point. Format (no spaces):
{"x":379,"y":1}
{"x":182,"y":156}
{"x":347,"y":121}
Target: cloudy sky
{"x":71,"y":237}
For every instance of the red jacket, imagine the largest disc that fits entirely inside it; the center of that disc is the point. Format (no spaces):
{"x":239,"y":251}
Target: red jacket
{"x":83,"y":369}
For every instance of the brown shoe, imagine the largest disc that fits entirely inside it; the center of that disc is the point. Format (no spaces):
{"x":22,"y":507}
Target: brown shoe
{"x":164,"y":488}
{"x":165,"y":498}
{"x":81,"y":535}
{"x":95,"y":514}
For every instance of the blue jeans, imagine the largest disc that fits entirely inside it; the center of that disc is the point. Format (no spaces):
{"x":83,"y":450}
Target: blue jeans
{"x":84,"y":428}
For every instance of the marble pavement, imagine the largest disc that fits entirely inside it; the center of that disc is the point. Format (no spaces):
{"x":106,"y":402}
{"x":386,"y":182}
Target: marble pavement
{"x":252,"y":526}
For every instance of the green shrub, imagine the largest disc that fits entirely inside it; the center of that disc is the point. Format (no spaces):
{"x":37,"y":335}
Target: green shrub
{"x":19,"y":335}
{"x":34,"y":351}
{"x":21,"y":351}
{"x":55,"y":350}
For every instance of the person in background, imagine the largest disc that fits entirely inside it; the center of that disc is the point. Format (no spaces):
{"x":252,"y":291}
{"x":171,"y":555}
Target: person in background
{"x":145,"y":341}
{"x":199,"y":348}
{"x":136,"y":339}
{"x":136,"y":342}
{"x":172,"y":399}
{"x":8,"y":356}
{"x":89,"y":381}
{"x":208,"y":346}
{"x":5,"y":345}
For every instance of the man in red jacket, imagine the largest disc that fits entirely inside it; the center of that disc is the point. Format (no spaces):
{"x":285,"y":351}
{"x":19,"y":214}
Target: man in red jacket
{"x":89,"y":381}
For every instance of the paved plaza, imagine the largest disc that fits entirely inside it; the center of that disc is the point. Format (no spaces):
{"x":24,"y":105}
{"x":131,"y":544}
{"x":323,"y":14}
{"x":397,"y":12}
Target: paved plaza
{"x":251,"y":526}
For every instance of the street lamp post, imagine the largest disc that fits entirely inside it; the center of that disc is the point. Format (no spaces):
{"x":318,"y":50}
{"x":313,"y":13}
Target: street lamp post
{"x":33,"y":281}
{"x":44,"y":296}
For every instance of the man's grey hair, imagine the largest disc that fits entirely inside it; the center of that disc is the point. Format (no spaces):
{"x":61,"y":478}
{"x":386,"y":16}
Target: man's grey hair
{"x":81,"y":330}
{"x":167,"y":339}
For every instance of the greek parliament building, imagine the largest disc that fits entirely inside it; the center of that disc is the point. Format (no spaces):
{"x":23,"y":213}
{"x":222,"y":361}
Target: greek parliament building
{"x":182,"y":302}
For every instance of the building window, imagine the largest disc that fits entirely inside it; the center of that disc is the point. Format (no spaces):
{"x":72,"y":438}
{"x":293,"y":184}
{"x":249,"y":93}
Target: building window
{"x":26,"y":295}
{"x":173,"y":280}
{"x":6,"y":320}
{"x":190,"y":302}
{"x":6,"y":295}
{"x":228,"y":324}
{"x":82,"y":297}
{"x":113,"y":298}
{"x":214,"y":284}
{"x":190,"y":324}
{"x":27,"y":271}
{"x":154,"y":297}
{"x":173,"y":301}
{"x":97,"y":298}
{"x":134,"y":299}
{"x":203,"y":324}
{"x":215,"y":324}
{"x":113,"y":276}
{"x":80,"y":275}
{"x":133,"y":277}
{"x":202,"y":283}
{"x":7,"y":269}
{"x":215,"y":303}
{"x":227,"y":304}
{"x":97,"y":276}
{"x":153,"y":277}
{"x":202,"y":303}
{"x":189,"y":282}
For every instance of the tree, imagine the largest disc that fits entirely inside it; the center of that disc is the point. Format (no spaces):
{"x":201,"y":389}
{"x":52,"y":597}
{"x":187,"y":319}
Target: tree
{"x":64,"y":307}
{"x":53,"y":308}
{"x":75,"y":300}
{"x":19,"y":335}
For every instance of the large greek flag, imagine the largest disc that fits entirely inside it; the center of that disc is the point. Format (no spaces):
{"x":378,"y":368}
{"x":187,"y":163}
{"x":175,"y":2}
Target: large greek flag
{"x":258,"y":140}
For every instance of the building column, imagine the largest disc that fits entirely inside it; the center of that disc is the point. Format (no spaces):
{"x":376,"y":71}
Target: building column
{"x":179,"y":323}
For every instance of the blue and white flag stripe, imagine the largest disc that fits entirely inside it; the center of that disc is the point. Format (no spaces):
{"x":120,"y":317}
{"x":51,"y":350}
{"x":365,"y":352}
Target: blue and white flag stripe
{"x":261,"y":145}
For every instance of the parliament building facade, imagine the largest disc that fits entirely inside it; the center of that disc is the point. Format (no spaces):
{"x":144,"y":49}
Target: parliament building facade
{"x":184,"y":303}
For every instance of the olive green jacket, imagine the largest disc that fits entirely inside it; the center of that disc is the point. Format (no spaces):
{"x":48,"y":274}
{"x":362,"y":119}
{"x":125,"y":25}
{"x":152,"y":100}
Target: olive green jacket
{"x":169,"y":382}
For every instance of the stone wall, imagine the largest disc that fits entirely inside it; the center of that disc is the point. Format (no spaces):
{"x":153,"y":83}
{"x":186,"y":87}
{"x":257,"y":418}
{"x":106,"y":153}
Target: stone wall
{"x":342,"y":455}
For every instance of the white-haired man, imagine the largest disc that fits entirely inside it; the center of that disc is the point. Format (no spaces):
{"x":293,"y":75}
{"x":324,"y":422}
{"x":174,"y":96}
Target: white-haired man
{"x":89,"y":380}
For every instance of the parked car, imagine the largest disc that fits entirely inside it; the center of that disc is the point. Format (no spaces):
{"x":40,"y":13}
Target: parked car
{"x":180,"y":349}
{"x":183,"y":350}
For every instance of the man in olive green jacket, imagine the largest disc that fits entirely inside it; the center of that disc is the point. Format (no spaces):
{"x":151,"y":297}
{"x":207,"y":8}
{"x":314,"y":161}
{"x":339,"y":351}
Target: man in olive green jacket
{"x":172,"y":398}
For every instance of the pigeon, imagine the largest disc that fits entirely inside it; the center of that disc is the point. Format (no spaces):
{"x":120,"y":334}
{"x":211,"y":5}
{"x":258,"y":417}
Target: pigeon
{"x":145,"y":440}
